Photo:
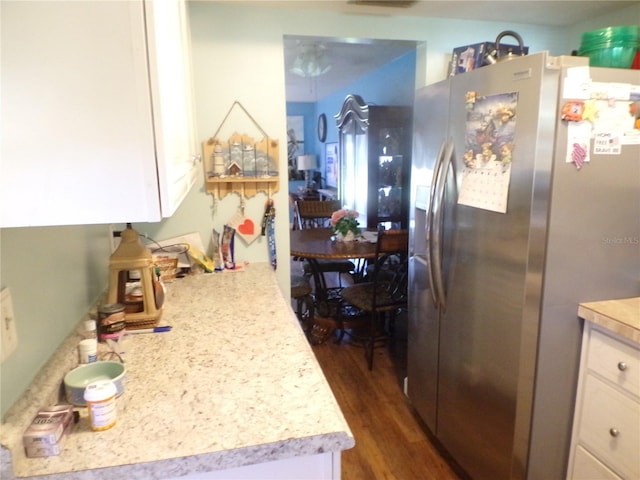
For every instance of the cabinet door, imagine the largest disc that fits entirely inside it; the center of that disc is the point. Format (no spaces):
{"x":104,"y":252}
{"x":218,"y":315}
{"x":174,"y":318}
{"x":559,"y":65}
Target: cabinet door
{"x":389,"y":166}
{"x":77,"y":131}
{"x":172,"y":95}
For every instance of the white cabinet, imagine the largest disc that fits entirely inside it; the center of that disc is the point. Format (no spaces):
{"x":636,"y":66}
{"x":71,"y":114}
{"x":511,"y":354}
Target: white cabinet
{"x":94,"y":129}
{"x":323,"y":466}
{"x":606,"y":431}
{"x":587,"y":467}
{"x":173,"y":100}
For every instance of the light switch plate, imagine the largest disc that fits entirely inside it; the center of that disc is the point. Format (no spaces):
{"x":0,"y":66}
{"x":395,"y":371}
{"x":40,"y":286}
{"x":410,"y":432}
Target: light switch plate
{"x":8,"y":332}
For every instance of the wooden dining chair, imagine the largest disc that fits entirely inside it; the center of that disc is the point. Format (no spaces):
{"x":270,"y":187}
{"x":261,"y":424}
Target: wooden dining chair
{"x":383,"y":293}
{"x":317,"y":214}
{"x":301,"y":292}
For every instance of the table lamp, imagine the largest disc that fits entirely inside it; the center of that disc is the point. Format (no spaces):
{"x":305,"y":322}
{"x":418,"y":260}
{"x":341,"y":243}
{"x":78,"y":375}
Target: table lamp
{"x":306,"y":163}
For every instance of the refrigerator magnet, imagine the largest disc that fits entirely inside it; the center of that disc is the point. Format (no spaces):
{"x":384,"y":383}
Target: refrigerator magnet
{"x":470,"y":100}
{"x":578,"y":138}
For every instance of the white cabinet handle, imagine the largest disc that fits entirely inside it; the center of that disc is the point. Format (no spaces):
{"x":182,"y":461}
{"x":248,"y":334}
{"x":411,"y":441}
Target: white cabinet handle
{"x":614,"y":432}
{"x":622,"y":366}
{"x":196,"y":159}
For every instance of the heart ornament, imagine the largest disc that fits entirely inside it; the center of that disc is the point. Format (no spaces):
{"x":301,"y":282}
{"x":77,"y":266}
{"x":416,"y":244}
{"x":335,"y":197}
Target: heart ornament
{"x":245,"y":227}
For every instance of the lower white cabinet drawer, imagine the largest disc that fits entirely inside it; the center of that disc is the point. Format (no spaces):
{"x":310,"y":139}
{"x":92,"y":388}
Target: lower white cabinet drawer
{"x":610,"y":427}
{"x":587,"y":467}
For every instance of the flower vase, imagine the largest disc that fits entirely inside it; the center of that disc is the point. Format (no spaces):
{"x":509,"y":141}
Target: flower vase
{"x":347,"y":237}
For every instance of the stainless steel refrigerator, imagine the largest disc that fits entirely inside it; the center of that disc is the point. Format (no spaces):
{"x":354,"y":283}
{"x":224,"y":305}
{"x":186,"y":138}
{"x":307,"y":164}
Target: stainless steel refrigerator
{"x":505,"y":246}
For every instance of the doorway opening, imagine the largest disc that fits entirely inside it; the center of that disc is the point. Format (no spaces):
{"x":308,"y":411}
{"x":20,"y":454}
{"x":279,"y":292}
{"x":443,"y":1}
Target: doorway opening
{"x":319,"y":74}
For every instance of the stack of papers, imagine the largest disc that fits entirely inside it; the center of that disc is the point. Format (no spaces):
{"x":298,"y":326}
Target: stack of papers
{"x":368,"y":236}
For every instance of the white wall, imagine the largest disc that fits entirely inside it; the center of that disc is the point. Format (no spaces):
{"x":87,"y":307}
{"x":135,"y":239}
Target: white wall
{"x":625,"y":16}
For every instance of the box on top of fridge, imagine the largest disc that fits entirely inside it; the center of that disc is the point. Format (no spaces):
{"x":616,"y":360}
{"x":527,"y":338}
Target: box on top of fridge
{"x":469,"y":57}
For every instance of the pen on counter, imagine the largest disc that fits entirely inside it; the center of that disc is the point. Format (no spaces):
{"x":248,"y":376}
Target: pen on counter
{"x":150,"y":330}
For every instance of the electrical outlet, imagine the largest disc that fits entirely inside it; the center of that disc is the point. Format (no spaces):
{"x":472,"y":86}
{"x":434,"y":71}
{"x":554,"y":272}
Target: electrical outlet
{"x":8,"y":333}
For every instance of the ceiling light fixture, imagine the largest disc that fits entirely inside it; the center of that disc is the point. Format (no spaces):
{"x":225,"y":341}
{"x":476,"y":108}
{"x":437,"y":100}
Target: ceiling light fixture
{"x":311,"y":61}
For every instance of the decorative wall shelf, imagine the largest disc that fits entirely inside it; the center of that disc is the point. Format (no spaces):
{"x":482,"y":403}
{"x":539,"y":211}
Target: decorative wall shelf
{"x":241,"y":164}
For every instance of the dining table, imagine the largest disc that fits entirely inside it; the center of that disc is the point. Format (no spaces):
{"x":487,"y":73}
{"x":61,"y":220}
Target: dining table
{"x":317,"y":244}
{"x":321,"y":243}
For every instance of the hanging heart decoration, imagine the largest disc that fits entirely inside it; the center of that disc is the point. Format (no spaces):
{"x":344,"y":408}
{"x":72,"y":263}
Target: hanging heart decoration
{"x":245,"y":227}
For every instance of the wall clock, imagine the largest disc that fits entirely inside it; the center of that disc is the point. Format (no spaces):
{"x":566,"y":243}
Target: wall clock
{"x":322,"y":127}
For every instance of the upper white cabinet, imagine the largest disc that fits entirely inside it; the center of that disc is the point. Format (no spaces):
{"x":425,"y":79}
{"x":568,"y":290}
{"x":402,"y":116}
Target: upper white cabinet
{"x":173,"y":100}
{"x":97,"y":112}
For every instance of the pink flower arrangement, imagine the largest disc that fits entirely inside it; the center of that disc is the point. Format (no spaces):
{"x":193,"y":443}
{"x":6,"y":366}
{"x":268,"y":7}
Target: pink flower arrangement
{"x":344,"y":221}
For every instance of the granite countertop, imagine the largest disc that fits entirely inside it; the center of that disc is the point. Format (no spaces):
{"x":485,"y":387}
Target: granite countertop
{"x":619,"y":316}
{"x":234,"y":383}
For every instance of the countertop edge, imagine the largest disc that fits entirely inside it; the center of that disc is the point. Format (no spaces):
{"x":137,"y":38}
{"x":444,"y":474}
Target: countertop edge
{"x":615,"y":316}
{"x":182,"y":466}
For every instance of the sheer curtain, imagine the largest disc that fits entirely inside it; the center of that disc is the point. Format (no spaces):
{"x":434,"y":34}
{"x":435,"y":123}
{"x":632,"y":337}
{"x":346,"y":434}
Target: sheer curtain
{"x":354,"y":165}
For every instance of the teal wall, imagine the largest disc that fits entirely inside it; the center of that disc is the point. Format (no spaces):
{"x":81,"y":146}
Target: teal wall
{"x":56,"y":274}
{"x":308,"y":111}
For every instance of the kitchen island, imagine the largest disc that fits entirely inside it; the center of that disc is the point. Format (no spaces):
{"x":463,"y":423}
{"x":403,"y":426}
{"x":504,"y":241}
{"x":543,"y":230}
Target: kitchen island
{"x":233,"y":391}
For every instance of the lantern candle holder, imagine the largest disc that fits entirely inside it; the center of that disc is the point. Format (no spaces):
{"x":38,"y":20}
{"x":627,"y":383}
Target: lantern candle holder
{"x":142,"y":297}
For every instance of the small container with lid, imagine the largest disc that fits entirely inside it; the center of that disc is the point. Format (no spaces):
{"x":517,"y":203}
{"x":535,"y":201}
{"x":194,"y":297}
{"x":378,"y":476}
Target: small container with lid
{"x":88,"y":347}
{"x":89,"y":329}
{"x":101,"y":404}
{"x":88,"y":350}
{"x":111,"y":321}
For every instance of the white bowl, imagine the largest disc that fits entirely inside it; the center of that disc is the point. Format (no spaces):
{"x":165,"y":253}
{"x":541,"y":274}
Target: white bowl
{"x":77,"y":379}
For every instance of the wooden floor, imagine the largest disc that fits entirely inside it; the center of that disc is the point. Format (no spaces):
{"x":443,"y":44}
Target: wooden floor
{"x":390,"y":443}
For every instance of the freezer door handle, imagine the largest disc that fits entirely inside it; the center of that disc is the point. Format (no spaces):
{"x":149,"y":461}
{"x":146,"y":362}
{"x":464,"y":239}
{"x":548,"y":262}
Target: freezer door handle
{"x":429,"y":233}
{"x":438,"y":223}
{"x":435,"y":217}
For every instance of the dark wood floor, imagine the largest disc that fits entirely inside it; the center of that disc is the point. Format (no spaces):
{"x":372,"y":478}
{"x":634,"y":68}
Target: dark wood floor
{"x":390,"y":442}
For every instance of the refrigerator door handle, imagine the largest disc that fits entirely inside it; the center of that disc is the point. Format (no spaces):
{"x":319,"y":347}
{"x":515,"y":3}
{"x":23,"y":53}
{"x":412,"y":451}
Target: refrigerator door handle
{"x":429,"y":234}
{"x":438,"y":222}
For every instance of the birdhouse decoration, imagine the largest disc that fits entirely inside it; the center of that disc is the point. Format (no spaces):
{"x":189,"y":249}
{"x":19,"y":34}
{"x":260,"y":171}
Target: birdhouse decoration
{"x":132,"y":282}
{"x":235,"y":169}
